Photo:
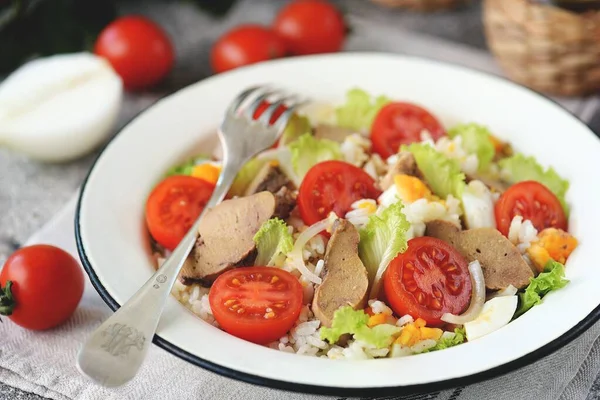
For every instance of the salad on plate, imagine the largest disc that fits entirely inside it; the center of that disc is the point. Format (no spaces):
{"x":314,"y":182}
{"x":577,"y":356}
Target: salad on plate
{"x":368,"y":230}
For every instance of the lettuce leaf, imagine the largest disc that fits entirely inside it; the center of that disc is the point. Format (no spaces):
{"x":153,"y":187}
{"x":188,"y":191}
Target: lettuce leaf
{"x":298,"y":126}
{"x":308,"y":151}
{"x":381,"y":240}
{"x":346,"y":320}
{"x":444,"y":343}
{"x":245,"y":176}
{"x":360,"y":110}
{"x":379,"y":336}
{"x":273,"y":241}
{"x":520,"y":168}
{"x":442,"y":173}
{"x":551,"y":279}
{"x":186,"y":167}
{"x":475,"y":140}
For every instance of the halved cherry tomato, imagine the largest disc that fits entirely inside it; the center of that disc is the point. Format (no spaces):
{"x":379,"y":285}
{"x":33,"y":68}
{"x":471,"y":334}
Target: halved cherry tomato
{"x":402,"y":123}
{"x":258,"y":304}
{"x":532,"y":201}
{"x":311,"y":27}
{"x":429,"y":279}
{"x":333,"y":186}
{"x":173,"y":206}
{"x":244,"y":45}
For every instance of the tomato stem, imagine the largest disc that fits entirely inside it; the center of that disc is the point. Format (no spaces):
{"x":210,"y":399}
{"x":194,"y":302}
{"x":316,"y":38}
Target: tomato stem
{"x":7,"y":301}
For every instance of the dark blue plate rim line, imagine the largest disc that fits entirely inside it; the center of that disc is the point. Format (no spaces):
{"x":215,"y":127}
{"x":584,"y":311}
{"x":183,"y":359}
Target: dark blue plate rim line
{"x":366,"y":391}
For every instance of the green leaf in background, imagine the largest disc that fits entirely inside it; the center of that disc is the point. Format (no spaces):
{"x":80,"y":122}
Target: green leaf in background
{"x":35,"y":28}
{"x":475,"y":140}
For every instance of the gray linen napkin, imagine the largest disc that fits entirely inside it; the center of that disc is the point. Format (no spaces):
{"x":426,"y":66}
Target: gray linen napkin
{"x":43,"y":363}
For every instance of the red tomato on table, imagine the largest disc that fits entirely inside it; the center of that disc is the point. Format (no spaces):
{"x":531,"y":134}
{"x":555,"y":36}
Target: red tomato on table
{"x":46,"y":286}
{"x":311,"y":27}
{"x":244,"y":45}
{"x":138,"y":49}
{"x":258,"y":304}
{"x":333,"y":186}
{"x":429,"y":279}
{"x":401,"y":123}
{"x":173,"y":207}
{"x":532,"y":201}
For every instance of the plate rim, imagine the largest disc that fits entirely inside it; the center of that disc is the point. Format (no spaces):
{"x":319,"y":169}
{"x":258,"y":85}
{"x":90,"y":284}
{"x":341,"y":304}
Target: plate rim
{"x":523,"y":361}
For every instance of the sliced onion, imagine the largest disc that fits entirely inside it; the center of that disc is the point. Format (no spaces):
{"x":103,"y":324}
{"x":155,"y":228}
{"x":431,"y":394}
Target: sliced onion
{"x":303,"y":238}
{"x":477,"y":297}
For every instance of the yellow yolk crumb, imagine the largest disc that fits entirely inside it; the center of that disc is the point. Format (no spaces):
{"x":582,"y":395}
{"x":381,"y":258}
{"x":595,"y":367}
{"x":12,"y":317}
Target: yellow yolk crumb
{"x":207,"y":171}
{"x":552,"y":244}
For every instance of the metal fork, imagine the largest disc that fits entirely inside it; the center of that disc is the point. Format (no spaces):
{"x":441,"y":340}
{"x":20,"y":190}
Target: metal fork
{"x":115,"y":351}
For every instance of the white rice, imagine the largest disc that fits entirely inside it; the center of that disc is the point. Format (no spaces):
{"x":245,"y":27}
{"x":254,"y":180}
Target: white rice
{"x":405,"y":319}
{"x":421,"y":211}
{"x":522,"y":233}
{"x":194,"y":298}
{"x":319,"y":267}
{"x":453,"y":148}
{"x":355,"y":149}
{"x":379,"y":307}
{"x":375,"y":167}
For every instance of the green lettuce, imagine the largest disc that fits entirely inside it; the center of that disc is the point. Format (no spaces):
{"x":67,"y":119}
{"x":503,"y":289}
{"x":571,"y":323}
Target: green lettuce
{"x":551,"y":279}
{"x":308,"y":151}
{"x":520,"y":168}
{"x":245,"y":175}
{"x":382,"y":238}
{"x":444,"y":343}
{"x":442,"y":173}
{"x":273,"y":241}
{"x":298,"y":126}
{"x":360,"y":110}
{"x":346,"y":320}
{"x":186,"y":167}
{"x":475,"y":140}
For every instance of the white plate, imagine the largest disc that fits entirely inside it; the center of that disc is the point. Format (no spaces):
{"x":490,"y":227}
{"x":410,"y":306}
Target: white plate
{"x":114,"y":249}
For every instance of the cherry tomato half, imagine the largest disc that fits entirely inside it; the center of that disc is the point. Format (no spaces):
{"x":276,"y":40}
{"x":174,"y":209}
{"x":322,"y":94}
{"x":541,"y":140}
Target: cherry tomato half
{"x":333,"y":186}
{"x":138,"y":49}
{"x":47,"y":285}
{"x":429,"y":279}
{"x":402,"y":123}
{"x":532,"y":201}
{"x":311,"y":27}
{"x":173,"y":206}
{"x":244,"y":45}
{"x":258,"y":304}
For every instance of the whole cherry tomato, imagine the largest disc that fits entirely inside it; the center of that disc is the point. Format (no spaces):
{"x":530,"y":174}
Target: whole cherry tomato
{"x":41,"y":286}
{"x":244,"y":45}
{"x":138,"y":49}
{"x":311,"y":27}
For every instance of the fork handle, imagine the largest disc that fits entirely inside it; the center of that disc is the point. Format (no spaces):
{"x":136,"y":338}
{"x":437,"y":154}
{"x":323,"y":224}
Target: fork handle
{"x":116,"y":349}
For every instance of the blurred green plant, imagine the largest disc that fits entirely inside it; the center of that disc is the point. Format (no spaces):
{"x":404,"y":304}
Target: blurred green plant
{"x":35,"y":28}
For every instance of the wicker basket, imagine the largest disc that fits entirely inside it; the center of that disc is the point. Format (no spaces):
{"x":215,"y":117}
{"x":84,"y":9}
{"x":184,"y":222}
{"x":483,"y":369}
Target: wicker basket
{"x":422,"y":5}
{"x":546,"y":48}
